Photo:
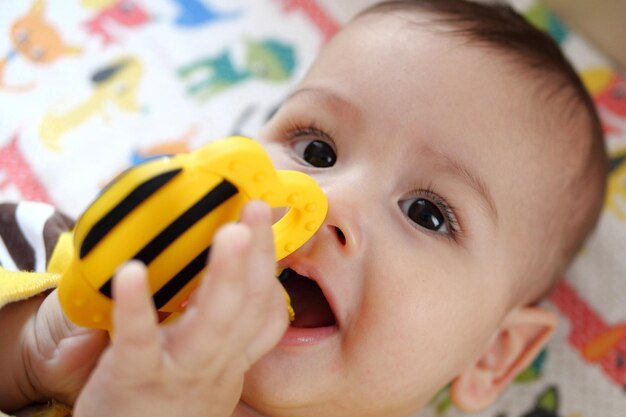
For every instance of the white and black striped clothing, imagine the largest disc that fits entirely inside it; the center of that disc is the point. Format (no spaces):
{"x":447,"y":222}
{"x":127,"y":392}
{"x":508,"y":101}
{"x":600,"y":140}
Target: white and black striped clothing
{"x":29,"y":232}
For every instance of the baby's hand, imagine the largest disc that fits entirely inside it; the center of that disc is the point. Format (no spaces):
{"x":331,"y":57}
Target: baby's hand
{"x":195,"y":365}
{"x":58,"y":355}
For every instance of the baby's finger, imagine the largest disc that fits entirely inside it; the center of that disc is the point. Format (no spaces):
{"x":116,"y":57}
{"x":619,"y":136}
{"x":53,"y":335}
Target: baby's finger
{"x":262,"y":285}
{"x":257,"y":216}
{"x":257,"y":269}
{"x":270,"y":333}
{"x":201,"y":335}
{"x":136,"y":340}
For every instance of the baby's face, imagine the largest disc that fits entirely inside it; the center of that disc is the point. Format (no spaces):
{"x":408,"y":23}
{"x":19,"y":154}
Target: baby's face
{"x":421,"y":146}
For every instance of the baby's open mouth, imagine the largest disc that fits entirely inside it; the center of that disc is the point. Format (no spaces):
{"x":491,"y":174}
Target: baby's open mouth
{"x":308,"y":301}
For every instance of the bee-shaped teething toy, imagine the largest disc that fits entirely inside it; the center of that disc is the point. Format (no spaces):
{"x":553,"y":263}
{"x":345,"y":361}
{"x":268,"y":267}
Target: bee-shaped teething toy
{"x":164,"y":213}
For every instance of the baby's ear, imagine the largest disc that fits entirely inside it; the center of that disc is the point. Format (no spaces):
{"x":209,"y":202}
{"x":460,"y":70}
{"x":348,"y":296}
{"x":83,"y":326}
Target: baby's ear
{"x":522,"y":335}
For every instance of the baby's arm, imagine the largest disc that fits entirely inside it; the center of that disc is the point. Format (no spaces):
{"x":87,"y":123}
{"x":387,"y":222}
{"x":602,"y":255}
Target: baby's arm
{"x":195,"y":365}
{"x":17,"y":390}
{"x":42,"y":355}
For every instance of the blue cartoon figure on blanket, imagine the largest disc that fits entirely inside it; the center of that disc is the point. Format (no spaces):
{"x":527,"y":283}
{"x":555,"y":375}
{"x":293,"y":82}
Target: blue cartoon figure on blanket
{"x":164,"y":213}
{"x":194,"y":13}
{"x":268,"y":60}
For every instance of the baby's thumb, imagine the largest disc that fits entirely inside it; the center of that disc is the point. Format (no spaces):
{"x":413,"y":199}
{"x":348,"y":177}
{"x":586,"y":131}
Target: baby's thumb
{"x":66,"y":351}
{"x":56,"y":322}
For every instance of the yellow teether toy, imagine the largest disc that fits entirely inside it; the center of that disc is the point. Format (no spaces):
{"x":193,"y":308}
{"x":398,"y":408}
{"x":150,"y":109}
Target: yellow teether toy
{"x":164,"y":213}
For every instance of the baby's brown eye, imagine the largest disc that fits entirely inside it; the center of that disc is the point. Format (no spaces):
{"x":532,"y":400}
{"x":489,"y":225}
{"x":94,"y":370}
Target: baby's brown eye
{"x":425,"y":214}
{"x":316,"y":153}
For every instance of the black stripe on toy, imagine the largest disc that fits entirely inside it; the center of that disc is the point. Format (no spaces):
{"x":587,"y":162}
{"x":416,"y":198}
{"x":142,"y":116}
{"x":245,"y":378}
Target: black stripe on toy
{"x":182,"y":278}
{"x":214,"y":198}
{"x":123,"y":208}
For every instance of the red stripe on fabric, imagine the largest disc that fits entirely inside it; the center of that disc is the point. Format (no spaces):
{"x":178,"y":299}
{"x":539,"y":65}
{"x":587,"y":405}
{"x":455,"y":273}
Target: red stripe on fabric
{"x":316,"y":13}
{"x":19,"y":173}
{"x":591,"y":336}
{"x":585,"y":321}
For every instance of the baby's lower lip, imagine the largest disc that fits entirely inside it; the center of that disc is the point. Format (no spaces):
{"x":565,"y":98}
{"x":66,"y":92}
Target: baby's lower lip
{"x":297,"y":336}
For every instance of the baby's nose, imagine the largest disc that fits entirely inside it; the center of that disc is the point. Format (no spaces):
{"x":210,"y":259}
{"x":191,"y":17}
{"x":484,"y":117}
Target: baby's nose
{"x":339,"y":234}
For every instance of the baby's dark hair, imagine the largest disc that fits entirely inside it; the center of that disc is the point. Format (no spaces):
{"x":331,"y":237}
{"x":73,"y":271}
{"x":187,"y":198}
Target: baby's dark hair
{"x":499,"y":27}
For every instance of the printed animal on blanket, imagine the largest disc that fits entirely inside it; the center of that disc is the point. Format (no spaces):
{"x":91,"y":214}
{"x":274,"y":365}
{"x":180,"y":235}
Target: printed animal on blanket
{"x":268,"y":60}
{"x":127,"y":13}
{"x":36,"y":41}
{"x":164,"y":148}
{"x":616,"y":185}
{"x":546,"y":405}
{"x":316,"y":14}
{"x":17,"y":178}
{"x":193,"y":13}
{"x":543,"y":18}
{"x":595,"y":340}
{"x":608,"y":89}
{"x":116,"y":84}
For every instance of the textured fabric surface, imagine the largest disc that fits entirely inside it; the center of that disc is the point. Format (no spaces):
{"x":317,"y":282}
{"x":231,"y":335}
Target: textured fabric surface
{"x":109,"y":83}
{"x":35,"y":247}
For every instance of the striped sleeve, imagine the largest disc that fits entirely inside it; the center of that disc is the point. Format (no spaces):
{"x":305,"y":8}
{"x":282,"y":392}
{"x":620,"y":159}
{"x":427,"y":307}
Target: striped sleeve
{"x":29,"y":232}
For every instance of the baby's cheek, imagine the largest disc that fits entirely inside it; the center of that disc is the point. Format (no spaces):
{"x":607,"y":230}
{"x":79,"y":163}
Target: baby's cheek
{"x":449,"y":326}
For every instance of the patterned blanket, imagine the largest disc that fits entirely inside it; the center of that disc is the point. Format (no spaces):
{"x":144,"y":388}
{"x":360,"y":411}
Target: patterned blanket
{"x":92,"y":86}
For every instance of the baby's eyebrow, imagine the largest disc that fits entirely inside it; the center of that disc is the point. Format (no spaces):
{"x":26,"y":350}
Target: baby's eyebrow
{"x":457,"y":168}
{"x":337,"y":102}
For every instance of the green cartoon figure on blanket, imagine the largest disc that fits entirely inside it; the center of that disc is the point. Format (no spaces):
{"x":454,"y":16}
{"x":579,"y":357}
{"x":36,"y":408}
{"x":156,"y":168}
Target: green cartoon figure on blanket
{"x":547,"y":404}
{"x":268,"y":60}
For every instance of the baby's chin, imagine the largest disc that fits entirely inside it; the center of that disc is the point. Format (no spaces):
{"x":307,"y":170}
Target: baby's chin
{"x":270,"y":384}
{"x":268,"y":392}
{"x":277,"y":385}
{"x":244,"y":409}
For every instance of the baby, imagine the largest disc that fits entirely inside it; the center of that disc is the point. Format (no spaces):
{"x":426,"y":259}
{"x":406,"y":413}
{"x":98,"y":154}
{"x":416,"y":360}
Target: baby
{"x":464,"y":166}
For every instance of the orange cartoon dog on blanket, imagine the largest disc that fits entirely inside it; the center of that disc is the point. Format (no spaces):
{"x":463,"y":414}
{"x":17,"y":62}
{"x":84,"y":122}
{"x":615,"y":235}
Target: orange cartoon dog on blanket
{"x":164,"y":213}
{"x":35,"y":40}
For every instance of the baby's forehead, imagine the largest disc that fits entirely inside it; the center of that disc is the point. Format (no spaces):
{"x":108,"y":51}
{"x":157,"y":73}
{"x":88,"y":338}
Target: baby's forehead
{"x":526,"y":56}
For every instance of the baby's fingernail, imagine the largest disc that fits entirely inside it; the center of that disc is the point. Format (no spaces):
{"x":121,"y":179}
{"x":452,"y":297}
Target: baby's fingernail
{"x":260,"y":209}
{"x":132,"y":267}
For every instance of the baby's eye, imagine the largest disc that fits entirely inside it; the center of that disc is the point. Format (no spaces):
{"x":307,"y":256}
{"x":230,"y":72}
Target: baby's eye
{"x":317,"y":153}
{"x":425,"y":213}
